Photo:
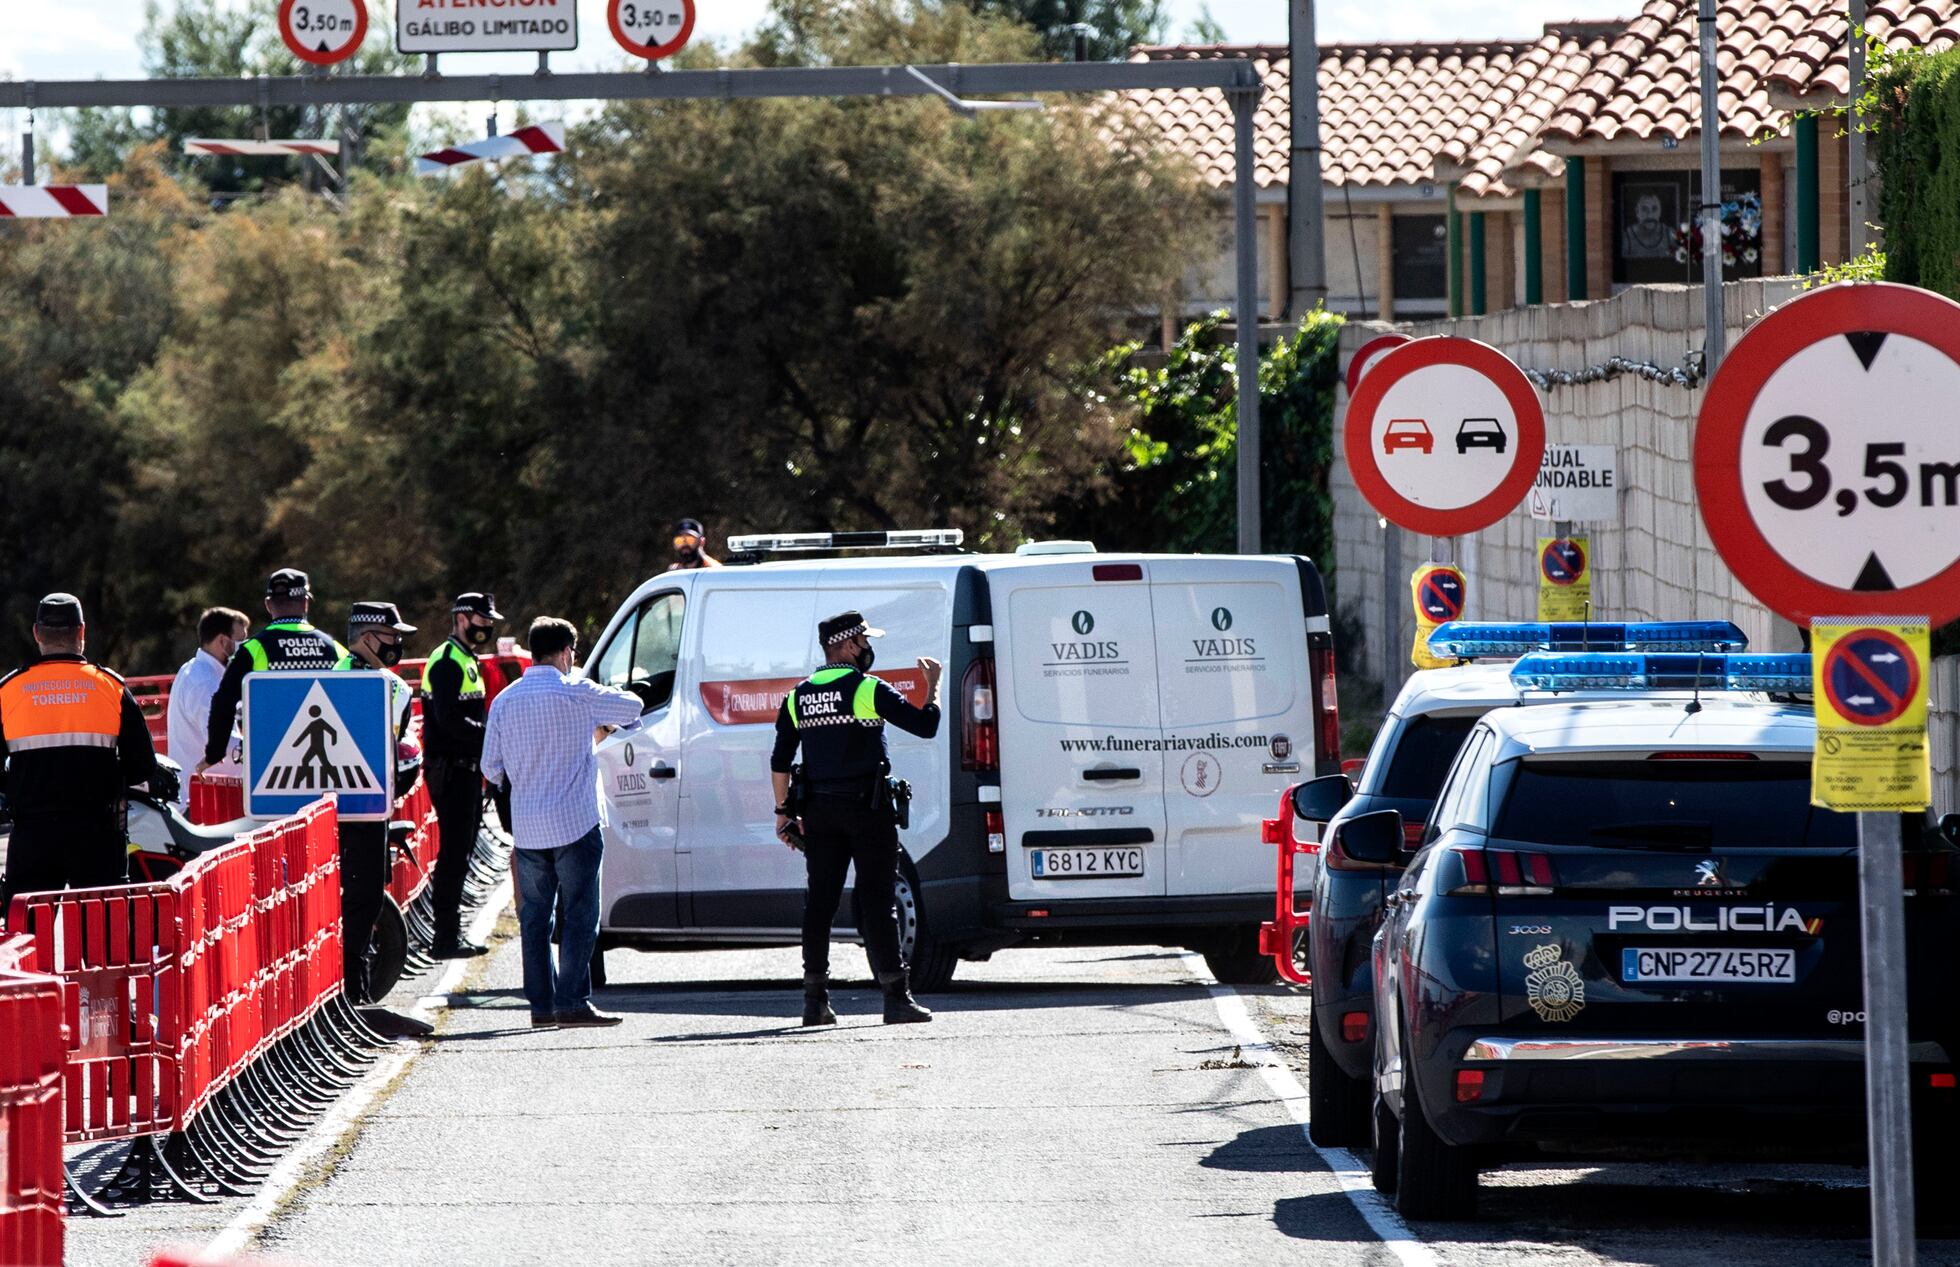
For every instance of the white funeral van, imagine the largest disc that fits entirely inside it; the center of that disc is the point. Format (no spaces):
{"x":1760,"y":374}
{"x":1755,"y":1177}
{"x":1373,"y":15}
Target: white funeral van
{"x":1116,"y":726}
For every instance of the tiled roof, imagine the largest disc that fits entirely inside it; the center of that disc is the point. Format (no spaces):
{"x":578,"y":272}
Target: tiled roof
{"x":1646,"y":86}
{"x":1815,"y":62}
{"x":1499,"y":130}
{"x":1387,"y":111}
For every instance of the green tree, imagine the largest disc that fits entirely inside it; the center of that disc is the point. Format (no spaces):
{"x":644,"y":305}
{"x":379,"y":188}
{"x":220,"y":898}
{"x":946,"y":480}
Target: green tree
{"x":1114,"y":27}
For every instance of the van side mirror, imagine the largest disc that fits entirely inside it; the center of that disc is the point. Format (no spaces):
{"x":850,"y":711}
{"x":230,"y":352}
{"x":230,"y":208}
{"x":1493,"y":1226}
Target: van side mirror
{"x":1318,"y":800}
{"x":1950,"y":828}
{"x":1374,"y":838}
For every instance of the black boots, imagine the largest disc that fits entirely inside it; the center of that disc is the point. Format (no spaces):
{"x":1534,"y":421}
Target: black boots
{"x":900,"y":1007}
{"x":816,"y":1001}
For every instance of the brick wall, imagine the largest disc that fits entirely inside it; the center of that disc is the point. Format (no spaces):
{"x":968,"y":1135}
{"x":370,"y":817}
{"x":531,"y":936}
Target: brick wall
{"x":1656,"y":562}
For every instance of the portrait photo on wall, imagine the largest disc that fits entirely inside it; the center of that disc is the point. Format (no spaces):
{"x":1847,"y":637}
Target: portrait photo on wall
{"x":1649,"y":212}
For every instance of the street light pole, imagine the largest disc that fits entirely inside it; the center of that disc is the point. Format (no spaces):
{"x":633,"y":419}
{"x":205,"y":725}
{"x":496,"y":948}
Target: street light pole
{"x":1306,"y":222}
{"x":1246,"y":314}
{"x":1711,"y":198}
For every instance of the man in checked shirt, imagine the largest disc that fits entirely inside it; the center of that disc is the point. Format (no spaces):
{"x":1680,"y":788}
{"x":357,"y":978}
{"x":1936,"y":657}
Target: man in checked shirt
{"x":539,"y":736}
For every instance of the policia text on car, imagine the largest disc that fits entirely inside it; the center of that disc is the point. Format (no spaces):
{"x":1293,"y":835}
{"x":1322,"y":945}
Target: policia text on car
{"x":73,"y":738}
{"x":841,"y":808}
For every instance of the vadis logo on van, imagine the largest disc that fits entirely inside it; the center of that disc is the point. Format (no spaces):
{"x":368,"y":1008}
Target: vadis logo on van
{"x":1221,"y":618}
{"x":1083,"y":623}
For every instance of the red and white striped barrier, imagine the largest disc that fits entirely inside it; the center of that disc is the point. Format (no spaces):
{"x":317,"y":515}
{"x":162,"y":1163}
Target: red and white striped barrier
{"x":50,"y":201}
{"x":259,"y":149}
{"x":538,"y":138}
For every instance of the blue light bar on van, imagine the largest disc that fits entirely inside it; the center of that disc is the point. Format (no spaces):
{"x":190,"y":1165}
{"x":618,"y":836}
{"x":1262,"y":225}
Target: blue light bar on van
{"x":1553,"y":671}
{"x":1468,"y":639}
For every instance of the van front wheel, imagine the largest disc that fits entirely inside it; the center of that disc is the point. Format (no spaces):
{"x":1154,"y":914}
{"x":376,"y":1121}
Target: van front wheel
{"x":1235,"y":959}
{"x":931,"y":960}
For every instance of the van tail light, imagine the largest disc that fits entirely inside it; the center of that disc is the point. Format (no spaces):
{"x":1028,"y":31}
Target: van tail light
{"x":1505,"y":872}
{"x":1327,"y":703}
{"x":980,"y":723}
{"x":1943,"y":1081}
{"x":1928,"y":874}
{"x":996,"y":832}
{"x":1412,"y":835}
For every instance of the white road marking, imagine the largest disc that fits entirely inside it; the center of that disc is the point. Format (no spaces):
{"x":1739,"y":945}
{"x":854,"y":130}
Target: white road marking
{"x":286,"y":1176}
{"x":1349,"y":1170}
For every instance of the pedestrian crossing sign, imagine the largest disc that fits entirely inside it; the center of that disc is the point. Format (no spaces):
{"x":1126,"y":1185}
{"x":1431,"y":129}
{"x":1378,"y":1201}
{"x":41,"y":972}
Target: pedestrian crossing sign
{"x":309,"y":734}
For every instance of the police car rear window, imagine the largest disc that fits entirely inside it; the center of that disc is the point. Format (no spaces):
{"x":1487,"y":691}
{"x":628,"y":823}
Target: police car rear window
{"x":1423,"y":752}
{"x":1661,"y":805}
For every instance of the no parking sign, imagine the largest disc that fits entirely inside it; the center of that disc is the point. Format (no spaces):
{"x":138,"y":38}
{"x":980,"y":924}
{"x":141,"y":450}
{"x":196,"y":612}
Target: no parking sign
{"x":1439,"y":592}
{"x":1564,"y":578}
{"x":1870,"y":684}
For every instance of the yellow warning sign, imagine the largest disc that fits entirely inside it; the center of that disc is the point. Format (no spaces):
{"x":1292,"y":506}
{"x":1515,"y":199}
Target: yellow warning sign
{"x":1869,"y":674}
{"x":1438,"y":592}
{"x":1564,"y":578}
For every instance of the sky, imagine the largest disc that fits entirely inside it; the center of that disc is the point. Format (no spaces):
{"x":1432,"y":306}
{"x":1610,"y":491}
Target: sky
{"x":88,"y":39}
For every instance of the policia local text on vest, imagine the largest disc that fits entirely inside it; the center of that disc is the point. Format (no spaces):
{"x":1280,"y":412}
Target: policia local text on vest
{"x":842,"y":811}
{"x":73,"y":739}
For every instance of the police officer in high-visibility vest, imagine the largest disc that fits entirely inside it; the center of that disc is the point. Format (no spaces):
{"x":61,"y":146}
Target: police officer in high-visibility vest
{"x":287,"y":643}
{"x":454,"y":706}
{"x":844,"y":813}
{"x":73,"y":738}
{"x":374,"y":638}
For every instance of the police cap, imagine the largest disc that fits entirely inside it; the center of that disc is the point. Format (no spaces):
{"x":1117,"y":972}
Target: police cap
{"x":59,"y":611}
{"x":366,"y":616}
{"x":690,"y":528}
{"x":288,"y":583}
{"x":843,"y":627}
{"x":476,"y":604}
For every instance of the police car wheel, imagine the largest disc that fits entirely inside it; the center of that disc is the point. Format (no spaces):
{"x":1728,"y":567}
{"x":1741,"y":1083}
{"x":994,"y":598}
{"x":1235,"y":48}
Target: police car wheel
{"x":1383,"y":1160}
{"x":1434,"y":1179}
{"x":1337,"y":1105}
{"x":932,"y":963}
{"x":387,"y":951}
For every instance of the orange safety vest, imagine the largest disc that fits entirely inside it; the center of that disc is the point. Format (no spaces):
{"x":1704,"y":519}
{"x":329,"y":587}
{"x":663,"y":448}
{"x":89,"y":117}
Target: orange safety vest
{"x":61,"y":704}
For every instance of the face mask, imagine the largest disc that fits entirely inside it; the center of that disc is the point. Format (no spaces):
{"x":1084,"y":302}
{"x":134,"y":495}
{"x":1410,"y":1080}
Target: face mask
{"x":865,"y":657}
{"x":478,"y":635}
{"x":390,"y":655}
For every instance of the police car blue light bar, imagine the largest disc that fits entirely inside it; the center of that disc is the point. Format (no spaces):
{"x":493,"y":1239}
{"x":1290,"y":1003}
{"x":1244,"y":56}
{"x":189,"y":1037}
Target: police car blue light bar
{"x":901,"y":539}
{"x":1555,"y":671}
{"x":1469,"y":639}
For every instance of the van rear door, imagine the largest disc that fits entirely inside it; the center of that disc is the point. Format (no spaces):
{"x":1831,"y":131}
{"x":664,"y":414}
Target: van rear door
{"x":1237,"y":703}
{"x":1082,"y":771}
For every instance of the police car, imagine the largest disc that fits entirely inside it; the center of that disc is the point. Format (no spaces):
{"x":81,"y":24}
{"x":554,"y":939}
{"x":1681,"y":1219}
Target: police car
{"x":1116,"y":727}
{"x":1419,"y":738}
{"x":1626,"y":924}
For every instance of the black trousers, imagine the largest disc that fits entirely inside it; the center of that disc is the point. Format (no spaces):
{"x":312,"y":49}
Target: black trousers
{"x":457,"y":790}
{"x":46,"y":854}
{"x":838,"y":831}
{"x":363,"y":887}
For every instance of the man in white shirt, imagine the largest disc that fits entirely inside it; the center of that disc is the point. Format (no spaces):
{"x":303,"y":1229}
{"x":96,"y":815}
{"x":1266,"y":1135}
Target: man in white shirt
{"x":219,"y":631}
{"x":540,"y":735}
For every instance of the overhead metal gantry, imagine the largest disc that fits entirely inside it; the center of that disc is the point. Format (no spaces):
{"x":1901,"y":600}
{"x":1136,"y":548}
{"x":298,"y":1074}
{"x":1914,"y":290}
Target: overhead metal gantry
{"x":1237,"y":78}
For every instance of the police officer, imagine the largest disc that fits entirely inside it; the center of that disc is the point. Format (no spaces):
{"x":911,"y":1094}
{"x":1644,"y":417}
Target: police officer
{"x":454,"y":706}
{"x":837,"y":716}
{"x":287,"y":643}
{"x":374,"y":636}
{"x":73,"y":738}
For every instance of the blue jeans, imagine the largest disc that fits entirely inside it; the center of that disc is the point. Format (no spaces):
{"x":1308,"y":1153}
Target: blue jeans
{"x":541,"y":874}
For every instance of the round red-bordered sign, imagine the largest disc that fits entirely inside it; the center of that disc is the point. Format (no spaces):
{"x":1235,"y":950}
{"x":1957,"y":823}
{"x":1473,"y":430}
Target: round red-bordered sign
{"x":1449,"y":418}
{"x":1563,"y":561}
{"x":1368,"y":353}
{"x":1440,"y":593}
{"x":1828,"y":366}
{"x":323,"y":32}
{"x":1871,"y":677}
{"x":664,"y":25}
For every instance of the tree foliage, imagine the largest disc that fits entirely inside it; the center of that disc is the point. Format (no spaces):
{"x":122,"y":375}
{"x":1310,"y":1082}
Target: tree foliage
{"x":765,"y":314}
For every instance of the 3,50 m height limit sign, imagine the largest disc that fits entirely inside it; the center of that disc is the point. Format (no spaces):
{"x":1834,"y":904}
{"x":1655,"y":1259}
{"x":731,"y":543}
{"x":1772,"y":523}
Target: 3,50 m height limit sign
{"x":652,"y":29}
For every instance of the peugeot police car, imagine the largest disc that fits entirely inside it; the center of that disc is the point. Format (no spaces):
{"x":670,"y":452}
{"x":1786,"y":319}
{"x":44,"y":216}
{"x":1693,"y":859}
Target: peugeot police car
{"x":1419,"y":738}
{"x":1116,"y":727}
{"x":1625,"y":923}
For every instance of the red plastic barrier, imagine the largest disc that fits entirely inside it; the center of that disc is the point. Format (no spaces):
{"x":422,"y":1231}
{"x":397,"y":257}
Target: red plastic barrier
{"x":30,"y":1110}
{"x":171,"y":989}
{"x":407,"y":879}
{"x":153,"y":697}
{"x":216,"y":798}
{"x":1277,"y":936}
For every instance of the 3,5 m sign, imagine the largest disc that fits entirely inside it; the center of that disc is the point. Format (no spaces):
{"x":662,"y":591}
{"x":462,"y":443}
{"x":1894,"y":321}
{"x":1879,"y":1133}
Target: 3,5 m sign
{"x":486,"y":26}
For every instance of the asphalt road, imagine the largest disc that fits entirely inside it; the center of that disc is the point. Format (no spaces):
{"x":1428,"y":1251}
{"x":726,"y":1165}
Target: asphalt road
{"x":1068,"y":1105}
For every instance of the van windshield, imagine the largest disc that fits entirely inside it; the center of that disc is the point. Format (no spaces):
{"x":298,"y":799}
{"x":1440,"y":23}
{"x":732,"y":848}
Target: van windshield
{"x":1636,"y":804}
{"x":1422,"y":756}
